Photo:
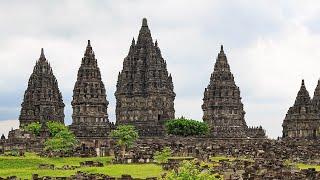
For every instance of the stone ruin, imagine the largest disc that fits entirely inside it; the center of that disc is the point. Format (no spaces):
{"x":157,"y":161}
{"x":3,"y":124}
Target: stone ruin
{"x":222,"y":106}
{"x":90,"y":116}
{"x":303,"y":118}
{"x":261,"y":169}
{"x":83,"y":175}
{"x":144,"y":95}
{"x":145,"y":99}
{"x":42,"y":100}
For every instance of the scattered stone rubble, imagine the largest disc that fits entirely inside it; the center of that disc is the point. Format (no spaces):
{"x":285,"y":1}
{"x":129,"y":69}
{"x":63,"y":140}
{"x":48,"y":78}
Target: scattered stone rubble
{"x":306,"y":151}
{"x":91,"y":176}
{"x":261,"y":169}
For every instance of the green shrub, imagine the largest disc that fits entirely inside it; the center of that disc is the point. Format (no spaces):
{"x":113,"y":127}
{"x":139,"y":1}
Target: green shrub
{"x":186,"y":127}
{"x":62,"y":141}
{"x":33,"y":128}
{"x":56,"y":127}
{"x":189,"y":170}
{"x":162,"y":156}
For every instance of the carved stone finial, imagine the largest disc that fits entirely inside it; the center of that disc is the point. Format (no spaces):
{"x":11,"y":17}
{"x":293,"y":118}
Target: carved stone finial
{"x":144,"y":22}
{"x":42,"y":56}
{"x":133,"y":42}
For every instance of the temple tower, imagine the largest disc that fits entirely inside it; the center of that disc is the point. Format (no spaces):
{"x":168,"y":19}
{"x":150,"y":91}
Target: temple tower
{"x":302,"y":119}
{"x":89,"y":104}
{"x":42,"y":100}
{"x":316,"y":97}
{"x":222,"y":106}
{"x":145,"y":96}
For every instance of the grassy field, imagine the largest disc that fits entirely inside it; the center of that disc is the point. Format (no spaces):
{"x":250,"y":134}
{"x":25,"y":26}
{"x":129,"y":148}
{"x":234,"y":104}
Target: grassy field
{"x":24,"y":167}
{"x":306,"y":166}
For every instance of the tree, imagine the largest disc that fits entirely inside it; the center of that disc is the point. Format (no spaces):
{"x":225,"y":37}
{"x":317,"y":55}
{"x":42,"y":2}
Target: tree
{"x":33,"y":128}
{"x":162,"y":156}
{"x":190,"y":170}
{"x":126,"y":135}
{"x":62,"y":141}
{"x":56,"y":127}
{"x":186,"y":127}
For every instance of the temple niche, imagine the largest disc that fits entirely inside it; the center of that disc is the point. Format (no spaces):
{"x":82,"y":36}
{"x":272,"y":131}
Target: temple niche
{"x":89,"y":104}
{"x":222,"y":106}
{"x":144,"y":95}
{"x":42,"y":100}
{"x":302,"y":119}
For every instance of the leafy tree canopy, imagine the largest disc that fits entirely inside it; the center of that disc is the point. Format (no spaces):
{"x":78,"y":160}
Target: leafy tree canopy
{"x":125,"y":135}
{"x":62,"y":141}
{"x":186,"y":127}
{"x":56,"y":127}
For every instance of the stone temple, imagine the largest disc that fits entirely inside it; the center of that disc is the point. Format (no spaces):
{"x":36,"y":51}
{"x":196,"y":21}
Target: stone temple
{"x":302,"y":119}
{"x":90,"y":116}
{"x":42,"y":100}
{"x":222,"y":106}
{"x":144,"y":95}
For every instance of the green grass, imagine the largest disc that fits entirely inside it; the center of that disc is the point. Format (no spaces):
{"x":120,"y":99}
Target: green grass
{"x":218,"y":158}
{"x":306,"y":166}
{"x":178,"y":157}
{"x":302,"y":165}
{"x":24,"y":167}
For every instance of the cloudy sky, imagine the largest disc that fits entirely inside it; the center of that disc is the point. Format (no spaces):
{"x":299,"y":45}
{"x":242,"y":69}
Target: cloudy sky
{"x":270,"y":45}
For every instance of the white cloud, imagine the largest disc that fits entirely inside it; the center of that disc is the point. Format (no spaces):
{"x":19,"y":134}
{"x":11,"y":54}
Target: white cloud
{"x":7,"y":125}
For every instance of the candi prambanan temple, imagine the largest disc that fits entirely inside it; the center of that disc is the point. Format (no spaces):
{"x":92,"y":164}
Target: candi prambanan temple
{"x":145,"y":96}
{"x":303,"y":118}
{"x":42,"y":100}
{"x":222,"y":106}
{"x":89,"y":104}
{"x":145,"y":99}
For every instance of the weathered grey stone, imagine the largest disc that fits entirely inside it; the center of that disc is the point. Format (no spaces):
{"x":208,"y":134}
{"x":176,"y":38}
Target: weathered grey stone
{"x":42,"y":100}
{"x":144,"y":94}
{"x":302,"y":119}
{"x":90,"y":116}
{"x":222,"y":106}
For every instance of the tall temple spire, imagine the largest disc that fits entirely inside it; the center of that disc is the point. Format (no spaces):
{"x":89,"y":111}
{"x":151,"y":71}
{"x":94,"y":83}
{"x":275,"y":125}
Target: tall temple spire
{"x":222,"y":106}
{"x":90,"y":116}
{"x":302,"y":119}
{"x":317,"y":90}
{"x":144,"y":78}
{"x":303,"y":96}
{"x":316,"y":97}
{"x":42,"y":99}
